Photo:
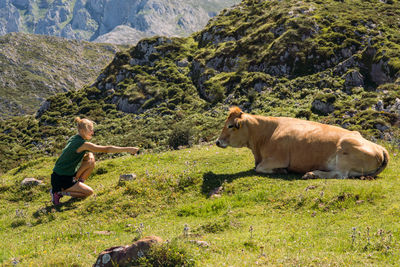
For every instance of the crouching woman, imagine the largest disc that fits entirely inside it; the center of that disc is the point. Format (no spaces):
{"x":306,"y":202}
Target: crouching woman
{"x":77,"y":162}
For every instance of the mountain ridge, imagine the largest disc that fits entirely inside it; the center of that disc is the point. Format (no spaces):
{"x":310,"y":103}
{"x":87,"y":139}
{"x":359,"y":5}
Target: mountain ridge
{"x":92,"y":20}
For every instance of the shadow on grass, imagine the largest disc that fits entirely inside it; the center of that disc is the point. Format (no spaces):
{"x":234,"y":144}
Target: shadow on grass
{"x":63,"y":206}
{"x":212,"y":180}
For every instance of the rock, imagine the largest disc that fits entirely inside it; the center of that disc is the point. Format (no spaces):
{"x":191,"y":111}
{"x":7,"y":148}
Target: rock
{"x":127,"y":177}
{"x":322,"y":107}
{"x":44,"y":106}
{"x":353,"y":78}
{"x":122,"y":34}
{"x":396,"y":106}
{"x":379,"y":106}
{"x":31,"y":182}
{"x":381,"y":127}
{"x":216,"y":192}
{"x":123,"y":255}
{"x":380,"y":72}
{"x":182,"y":63}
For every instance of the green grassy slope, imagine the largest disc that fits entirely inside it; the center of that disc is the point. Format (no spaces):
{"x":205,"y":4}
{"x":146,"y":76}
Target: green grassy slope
{"x":293,"y":221}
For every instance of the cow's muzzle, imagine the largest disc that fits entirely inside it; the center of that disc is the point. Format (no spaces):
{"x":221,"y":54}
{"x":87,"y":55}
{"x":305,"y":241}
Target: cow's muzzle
{"x":221,"y":144}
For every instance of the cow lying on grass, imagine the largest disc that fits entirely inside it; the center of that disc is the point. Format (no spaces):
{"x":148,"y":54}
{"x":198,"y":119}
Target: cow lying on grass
{"x":316,"y":150}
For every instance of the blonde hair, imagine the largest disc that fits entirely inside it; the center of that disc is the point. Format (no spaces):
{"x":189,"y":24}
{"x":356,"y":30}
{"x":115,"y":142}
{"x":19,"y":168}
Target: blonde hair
{"x":83,"y":124}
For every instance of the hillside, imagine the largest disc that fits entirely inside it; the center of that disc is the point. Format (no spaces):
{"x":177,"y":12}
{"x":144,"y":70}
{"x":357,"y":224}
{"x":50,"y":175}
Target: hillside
{"x":257,"y":220}
{"x":115,"y":21}
{"x":333,"y":61}
{"x":35,"y":67}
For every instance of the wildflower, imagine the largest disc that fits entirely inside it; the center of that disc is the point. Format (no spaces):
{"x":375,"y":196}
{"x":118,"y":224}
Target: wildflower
{"x":15,"y":262}
{"x":353,"y":236}
{"x":186,"y":230}
{"x":251,"y":231}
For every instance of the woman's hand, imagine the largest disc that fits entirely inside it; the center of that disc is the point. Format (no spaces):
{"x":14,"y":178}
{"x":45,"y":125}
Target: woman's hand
{"x":132,"y":150}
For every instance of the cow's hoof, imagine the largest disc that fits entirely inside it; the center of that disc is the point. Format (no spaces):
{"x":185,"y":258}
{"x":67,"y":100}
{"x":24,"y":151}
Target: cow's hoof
{"x":309,"y":175}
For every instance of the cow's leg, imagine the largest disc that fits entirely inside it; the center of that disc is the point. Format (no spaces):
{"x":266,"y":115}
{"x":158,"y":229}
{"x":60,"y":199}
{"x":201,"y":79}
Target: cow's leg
{"x":325,"y":175}
{"x":257,"y":157}
{"x":271,"y":166}
{"x":358,"y":157}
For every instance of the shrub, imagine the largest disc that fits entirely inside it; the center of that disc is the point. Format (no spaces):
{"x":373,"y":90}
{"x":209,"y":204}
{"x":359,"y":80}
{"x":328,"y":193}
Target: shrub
{"x":180,"y":136}
{"x":166,"y":255}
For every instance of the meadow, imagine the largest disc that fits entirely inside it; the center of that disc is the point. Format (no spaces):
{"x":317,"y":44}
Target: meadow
{"x":257,"y":219}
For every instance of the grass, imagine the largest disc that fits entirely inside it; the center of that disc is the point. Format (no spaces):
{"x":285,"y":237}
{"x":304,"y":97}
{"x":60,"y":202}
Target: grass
{"x":270,"y":220}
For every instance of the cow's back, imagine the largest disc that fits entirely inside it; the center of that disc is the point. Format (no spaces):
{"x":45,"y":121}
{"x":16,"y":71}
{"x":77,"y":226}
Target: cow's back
{"x":309,"y":145}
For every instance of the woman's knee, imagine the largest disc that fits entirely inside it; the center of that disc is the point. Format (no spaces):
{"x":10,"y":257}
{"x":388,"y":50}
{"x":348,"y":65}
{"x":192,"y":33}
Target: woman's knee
{"x":89,"y":192}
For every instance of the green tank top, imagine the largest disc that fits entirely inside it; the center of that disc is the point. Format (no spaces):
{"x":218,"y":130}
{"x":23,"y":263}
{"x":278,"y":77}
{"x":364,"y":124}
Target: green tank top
{"x":69,"y":160}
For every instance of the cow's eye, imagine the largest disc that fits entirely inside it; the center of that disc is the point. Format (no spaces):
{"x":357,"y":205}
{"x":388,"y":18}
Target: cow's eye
{"x":230,"y":126}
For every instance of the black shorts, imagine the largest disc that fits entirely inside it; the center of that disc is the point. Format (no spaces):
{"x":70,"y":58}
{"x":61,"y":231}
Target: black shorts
{"x":61,"y":182}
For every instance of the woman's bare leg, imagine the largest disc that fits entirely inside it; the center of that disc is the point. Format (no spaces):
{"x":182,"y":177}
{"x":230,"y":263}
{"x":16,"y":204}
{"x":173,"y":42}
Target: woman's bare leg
{"x":79,"y":190}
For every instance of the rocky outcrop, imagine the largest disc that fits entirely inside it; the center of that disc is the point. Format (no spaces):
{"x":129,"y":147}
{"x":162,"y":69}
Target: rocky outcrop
{"x":123,"y":255}
{"x":122,"y":34}
{"x":35,"y":67}
{"x":322,"y":107}
{"x":353,"y":78}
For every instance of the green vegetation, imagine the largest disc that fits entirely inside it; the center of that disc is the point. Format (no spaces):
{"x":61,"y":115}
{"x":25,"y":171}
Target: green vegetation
{"x":274,"y":58}
{"x":268,"y":219}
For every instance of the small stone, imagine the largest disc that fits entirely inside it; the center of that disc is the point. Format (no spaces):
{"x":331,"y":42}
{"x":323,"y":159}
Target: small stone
{"x":127,"y":177}
{"x":216,"y":192}
{"x":31,"y":182}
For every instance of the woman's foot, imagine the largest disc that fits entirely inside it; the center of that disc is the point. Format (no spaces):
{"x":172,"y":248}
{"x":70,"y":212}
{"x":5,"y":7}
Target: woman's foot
{"x":55,"y":197}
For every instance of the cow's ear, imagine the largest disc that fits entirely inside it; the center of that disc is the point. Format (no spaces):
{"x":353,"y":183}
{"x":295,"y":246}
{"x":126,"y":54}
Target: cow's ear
{"x":238,"y":123}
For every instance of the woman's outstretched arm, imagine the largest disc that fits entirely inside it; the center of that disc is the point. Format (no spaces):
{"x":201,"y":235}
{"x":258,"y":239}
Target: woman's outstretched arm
{"x":106,"y":149}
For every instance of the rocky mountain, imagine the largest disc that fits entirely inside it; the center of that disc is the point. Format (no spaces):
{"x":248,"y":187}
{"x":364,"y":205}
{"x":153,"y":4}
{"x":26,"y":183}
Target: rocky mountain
{"x":35,"y":67}
{"x":331,"y":61}
{"x":117,"y":21}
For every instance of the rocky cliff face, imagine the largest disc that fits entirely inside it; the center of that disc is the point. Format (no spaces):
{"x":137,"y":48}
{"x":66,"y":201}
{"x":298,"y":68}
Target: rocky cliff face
{"x":101,"y":20}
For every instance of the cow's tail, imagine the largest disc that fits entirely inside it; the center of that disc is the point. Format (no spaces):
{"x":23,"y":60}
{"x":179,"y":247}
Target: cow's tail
{"x":384,"y":163}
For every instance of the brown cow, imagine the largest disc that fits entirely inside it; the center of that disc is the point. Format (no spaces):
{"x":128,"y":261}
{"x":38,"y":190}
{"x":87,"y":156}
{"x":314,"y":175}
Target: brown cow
{"x":281,"y":144}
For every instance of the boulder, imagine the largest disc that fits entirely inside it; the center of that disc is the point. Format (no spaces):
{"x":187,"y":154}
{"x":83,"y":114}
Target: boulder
{"x":31,"y":182}
{"x":123,"y":255}
{"x":353,"y":78}
{"x":322,"y":107}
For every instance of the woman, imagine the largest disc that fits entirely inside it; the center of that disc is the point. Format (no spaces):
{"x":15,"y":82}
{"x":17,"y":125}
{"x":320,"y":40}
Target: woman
{"x":67,"y":178}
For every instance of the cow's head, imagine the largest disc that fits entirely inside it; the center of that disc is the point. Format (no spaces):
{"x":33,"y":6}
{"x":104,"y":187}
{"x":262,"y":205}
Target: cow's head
{"x":235,"y":132}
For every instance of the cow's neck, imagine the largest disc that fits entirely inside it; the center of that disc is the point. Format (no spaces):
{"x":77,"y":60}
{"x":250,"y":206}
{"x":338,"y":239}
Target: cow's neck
{"x":261,"y":129}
